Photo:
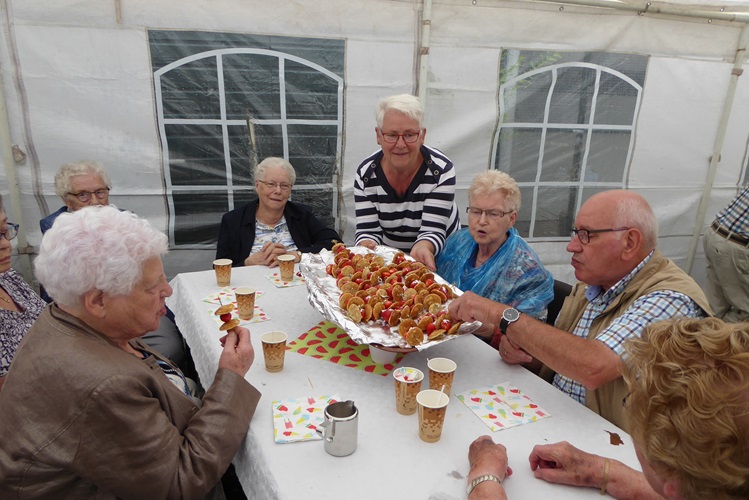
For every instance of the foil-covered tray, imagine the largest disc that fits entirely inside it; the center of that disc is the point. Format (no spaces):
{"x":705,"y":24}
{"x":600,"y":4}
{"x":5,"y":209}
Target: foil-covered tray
{"x":324,"y":294}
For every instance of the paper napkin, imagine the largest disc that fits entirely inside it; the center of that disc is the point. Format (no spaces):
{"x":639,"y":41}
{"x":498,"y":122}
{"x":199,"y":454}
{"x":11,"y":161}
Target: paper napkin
{"x":502,"y":406}
{"x":328,"y":341}
{"x":275,"y":278}
{"x":297,"y":419}
{"x":226,"y":296}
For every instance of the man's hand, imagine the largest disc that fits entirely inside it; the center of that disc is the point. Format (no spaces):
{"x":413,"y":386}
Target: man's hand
{"x":423,"y":251}
{"x":512,"y":354}
{"x":266,"y":256}
{"x":487,"y":457}
{"x":472,"y":307}
{"x":371,"y":244}
{"x":238,"y":353}
{"x":563,"y":463}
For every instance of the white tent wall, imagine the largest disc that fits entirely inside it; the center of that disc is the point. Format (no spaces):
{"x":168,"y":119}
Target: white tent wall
{"x":78,"y":84}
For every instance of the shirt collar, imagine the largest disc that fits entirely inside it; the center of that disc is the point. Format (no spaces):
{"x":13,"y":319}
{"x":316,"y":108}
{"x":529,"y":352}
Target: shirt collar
{"x":597,"y":292}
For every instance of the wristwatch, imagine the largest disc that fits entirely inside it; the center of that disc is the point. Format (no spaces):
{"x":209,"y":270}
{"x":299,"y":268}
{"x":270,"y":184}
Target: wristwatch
{"x":510,"y":315}
{"x":481,"y":479}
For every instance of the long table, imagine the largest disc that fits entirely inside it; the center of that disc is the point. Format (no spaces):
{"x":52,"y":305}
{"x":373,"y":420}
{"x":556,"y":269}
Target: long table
{"x":390,"y":461}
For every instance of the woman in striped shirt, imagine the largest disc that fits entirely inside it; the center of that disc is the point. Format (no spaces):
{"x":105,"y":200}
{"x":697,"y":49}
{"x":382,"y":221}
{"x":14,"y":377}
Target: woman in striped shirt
{"x":405,"y":192}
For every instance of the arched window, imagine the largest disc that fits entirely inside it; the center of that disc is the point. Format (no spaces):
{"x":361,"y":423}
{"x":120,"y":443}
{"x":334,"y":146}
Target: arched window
{"x":222,"y":111}
{"x":565,"y":132}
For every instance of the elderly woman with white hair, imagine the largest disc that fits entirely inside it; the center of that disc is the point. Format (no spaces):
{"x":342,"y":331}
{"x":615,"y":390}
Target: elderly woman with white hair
{"x":80,"y":184}
{"x":490,"y":258}
{"x":271,"y":225}
{"x":88,"y":410}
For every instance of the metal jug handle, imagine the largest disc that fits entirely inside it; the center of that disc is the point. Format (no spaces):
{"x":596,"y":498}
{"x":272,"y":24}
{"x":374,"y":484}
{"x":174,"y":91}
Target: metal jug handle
{"x":326,"y":430}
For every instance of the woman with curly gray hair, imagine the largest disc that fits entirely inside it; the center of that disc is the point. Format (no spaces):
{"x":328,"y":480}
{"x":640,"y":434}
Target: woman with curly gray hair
{"x":110,"y":417}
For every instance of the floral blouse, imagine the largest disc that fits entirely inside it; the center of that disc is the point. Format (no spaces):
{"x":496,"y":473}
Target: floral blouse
{"x":14,"y":325}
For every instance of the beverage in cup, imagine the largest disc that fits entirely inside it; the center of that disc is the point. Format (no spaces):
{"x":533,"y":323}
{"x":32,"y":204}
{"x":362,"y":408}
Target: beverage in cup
{"x":286,"y":265}
{"x":245,"y":302}
{"x":441,"y":372}
{"x":407,"y":386}
{"x":223,"y":271}
{"x":432,"y":409}
{"x":274,"y":350}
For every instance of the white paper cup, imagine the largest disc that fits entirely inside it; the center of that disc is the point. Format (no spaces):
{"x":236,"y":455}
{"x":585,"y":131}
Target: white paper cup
{"x":381,"y":356}
{"x":286,"y":266}
{"x":223,"y":271}
{"x":274,"y":350}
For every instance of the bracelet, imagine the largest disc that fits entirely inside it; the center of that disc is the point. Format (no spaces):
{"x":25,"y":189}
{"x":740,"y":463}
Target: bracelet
{"x":481,"y":479}
{"x":605,"y":475}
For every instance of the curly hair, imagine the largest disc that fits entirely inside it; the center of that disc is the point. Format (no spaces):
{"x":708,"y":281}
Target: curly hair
{"x":688,"y":408}
{"x":96,"y":247}
{"x":492,"y":181}
{"x":83,"y":167}
{"x":272,"y":162}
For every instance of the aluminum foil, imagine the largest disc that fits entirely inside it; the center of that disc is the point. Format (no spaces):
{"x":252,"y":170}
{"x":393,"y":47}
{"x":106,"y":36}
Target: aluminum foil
{"x":324,"y":294}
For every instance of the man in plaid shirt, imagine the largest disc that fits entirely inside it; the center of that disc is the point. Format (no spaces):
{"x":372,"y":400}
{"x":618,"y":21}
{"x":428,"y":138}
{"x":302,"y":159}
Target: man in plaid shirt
{"x":625,"y":284}
{"x":727,"y":252}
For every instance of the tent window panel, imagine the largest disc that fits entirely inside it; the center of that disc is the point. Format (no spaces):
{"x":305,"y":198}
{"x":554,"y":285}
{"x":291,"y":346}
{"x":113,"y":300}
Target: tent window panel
{"x":525,"y":101}
{"x":191,"y":91}
{"x":617,"y":101}
{"x":525,"y":214}
{"x":321,"y":201}
{"x":555,"y":211}
{"x":197,"y":216}
{"x":518,"y":152}
{"x":252,"y":87}
{"x":572,"y":98}
{"x":242,"y":155}
{"x":196,"y":155}
{"x":563,"y":155}
{"x":310,"y":95}
{"x":607,"y":155}
{"x":312,"y":151}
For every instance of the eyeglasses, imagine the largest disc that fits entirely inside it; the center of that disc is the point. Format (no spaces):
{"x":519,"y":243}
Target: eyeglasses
{"x":10,"y":232}
{"x":285,"y":186}
{"x":490,"y":214}
{"x":85,"y":196}
{"x":408,"y":137}
{"x":584,"y":234}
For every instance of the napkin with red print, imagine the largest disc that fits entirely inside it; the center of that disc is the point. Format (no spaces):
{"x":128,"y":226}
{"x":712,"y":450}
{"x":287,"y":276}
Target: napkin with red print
{"x":328,"y":341}
{"x":297,"y":419}
{"x":502,"y":406}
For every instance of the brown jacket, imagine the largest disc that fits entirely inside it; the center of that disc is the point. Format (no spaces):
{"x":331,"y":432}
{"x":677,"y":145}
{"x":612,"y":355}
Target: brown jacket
{"x":658,"y":274}
{"x":81,"y":418}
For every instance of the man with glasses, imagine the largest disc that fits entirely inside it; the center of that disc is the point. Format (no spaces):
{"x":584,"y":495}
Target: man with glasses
{"x":85,"y":183}
{"x":405,"y":192}
{"x":625,"y":285}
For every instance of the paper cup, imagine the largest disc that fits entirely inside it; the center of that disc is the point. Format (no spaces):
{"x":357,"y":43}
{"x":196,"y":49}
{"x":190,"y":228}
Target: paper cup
{"x":286,"y":265}
{"x":432,"y":409}
{"x":223,"y":271}
{"x":245,"y":302}
{"x":274,"y":349}
{"x":381,"y":356}
{"x":441,"y":372}
{"x":407,"y":386}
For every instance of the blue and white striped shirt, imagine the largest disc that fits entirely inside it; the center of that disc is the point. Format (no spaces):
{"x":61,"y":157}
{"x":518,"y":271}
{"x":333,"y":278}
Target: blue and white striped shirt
{"x":427,"y":211}
{"x":651,"y":308}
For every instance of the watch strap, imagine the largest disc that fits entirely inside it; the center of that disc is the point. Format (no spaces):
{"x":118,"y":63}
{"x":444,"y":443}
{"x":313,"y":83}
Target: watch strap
{"x":481,"y":479}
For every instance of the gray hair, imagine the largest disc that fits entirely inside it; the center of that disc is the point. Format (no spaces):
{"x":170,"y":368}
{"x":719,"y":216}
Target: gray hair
{"x":83,"y":167}
{"x":635,"y":211}
{"x":96,"y":248}
{"x":403,"y":103}
{"x":272,"y":162}
{"x":490,"y":182}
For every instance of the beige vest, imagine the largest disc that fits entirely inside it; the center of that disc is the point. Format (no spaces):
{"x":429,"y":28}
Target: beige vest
{"x":658,"y":274}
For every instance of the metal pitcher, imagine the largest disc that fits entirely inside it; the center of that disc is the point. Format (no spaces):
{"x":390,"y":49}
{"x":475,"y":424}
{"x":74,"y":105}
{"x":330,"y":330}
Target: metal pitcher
{"x":340,"y":428}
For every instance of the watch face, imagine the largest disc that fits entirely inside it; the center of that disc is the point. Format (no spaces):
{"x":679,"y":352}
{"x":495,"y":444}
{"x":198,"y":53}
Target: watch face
{"x":510,"y":315}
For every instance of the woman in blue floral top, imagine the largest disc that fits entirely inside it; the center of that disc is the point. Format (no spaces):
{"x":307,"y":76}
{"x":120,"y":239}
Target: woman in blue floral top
{"x":19,"y":304}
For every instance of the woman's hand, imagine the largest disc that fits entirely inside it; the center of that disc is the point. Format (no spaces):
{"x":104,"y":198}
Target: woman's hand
{"x":238,"y":353}
{"x":371,"y":244}
{"x":423,"y":251}
{"x":487,"y":457}
{"x":563,"y":463}
{"x":266,"y":256}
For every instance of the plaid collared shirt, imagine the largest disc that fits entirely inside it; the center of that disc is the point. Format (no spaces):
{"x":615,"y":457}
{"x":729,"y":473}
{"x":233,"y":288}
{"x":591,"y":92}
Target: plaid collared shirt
{"x":735,"y":217}
{"x":650,"y":308}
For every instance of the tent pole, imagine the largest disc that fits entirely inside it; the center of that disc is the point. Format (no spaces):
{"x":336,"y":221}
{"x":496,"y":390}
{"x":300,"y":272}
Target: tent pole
{"x":426,"y":27}
{"x":649,"y":7}
{"x":718,"y":145}
{"x":22,"y":246}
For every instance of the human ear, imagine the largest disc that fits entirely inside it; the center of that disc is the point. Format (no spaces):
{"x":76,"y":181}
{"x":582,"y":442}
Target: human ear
{"x":377,"y":136}
{"x":671,"y":489}
{"x":94,"y":302}
{"x":632,"y":242}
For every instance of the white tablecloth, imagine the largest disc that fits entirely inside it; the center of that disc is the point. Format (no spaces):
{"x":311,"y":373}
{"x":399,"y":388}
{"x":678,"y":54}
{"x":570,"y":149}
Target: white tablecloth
{"x":390,"y":461}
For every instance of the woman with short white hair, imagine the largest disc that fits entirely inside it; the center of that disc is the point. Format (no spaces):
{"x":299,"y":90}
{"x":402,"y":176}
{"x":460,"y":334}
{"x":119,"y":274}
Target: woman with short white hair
{"x":109,"y":416}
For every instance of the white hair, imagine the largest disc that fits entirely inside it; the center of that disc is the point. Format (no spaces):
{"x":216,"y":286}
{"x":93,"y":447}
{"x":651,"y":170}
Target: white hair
{"x":83,"y":167}
{"x":404,"y":103}
{"x":96,"y":248}
{"x":271,"y":162}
